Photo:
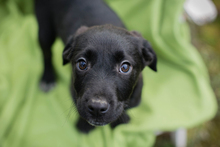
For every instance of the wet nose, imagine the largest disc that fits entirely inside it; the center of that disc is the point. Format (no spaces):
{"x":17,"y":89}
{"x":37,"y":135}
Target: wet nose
{"x":97,"y":107}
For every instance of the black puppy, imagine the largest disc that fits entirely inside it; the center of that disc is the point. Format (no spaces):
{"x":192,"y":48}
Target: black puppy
{"x":62,"y":18}
{"x":106,"y":60}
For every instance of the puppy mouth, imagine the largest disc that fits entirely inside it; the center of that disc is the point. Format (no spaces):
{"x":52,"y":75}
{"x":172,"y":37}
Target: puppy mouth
{"x":96,"y":123}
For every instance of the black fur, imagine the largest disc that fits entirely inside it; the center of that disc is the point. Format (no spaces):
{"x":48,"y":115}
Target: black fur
{"x":100,"y":89}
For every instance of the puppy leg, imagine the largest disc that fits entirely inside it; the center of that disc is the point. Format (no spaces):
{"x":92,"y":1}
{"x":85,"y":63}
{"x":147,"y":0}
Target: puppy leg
{"x":123,"y":119}
{"x":48,"y":77}
{"x":46,"y":39}
{"x":83,"y":126}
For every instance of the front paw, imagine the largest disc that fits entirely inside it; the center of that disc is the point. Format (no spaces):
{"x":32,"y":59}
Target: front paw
{"x":123,"y":119}
{"x":47,"y":82}
{"x":83,"y":126}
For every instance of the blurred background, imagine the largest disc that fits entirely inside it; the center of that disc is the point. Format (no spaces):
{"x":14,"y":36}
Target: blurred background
{"x":206,"y":39}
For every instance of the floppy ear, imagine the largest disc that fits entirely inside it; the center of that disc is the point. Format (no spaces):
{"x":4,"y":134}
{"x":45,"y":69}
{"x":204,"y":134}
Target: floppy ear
{"x":149,"y":56}
{"x":67,"y":54}
{"x":68,"y":50}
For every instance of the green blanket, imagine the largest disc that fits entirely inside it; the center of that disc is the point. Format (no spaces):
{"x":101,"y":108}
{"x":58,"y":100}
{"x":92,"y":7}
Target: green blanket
{"x":179,"y":95}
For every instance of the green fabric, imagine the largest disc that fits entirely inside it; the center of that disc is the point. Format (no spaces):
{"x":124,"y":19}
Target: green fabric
{"x":179,"y":95}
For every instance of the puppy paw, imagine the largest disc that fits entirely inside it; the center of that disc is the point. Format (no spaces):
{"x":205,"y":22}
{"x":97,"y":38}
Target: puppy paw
{"x":46,"y":87}
{"x":123,"y":119}
{"x":83,"y":126}
{"x":47,"y":81}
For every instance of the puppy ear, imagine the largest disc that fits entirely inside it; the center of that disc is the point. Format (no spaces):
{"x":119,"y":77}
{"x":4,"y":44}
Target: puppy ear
{"x":67,"y":52}
{"x":149,"y":56}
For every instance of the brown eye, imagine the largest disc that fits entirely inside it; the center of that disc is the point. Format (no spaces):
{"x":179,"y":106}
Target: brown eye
{"x":82,"y":65}
{"x":125,"y":67}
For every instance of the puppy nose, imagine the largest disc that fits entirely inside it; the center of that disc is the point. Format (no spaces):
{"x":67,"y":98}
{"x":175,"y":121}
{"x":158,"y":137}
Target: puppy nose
{"x":98,"y":107}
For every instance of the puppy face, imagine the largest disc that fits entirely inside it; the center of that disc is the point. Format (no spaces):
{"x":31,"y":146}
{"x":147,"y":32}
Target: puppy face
{"x":106,"y":63}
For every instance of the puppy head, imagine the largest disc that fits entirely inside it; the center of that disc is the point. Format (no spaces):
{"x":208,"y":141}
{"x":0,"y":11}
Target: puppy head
{"x":106,"y":63}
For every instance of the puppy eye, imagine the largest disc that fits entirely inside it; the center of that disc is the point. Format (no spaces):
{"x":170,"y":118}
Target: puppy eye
{"x":82,"y":64}
{"x":125,"y":67}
